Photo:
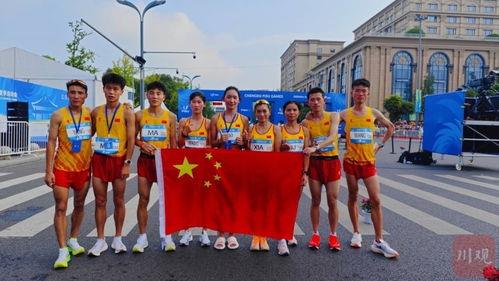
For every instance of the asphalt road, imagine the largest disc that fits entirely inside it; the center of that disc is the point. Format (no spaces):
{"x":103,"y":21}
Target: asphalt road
{"x":425,"y":209}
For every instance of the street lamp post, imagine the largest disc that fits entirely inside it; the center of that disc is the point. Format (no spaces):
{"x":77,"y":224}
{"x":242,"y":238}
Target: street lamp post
{"x":141,"y":16}
{"x":419,"y":18}
{"x":191,"y":79}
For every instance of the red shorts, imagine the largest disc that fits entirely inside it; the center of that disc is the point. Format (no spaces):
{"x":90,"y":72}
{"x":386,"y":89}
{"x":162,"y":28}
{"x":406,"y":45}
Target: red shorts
{"x":325,"y":170}
{"x":107,"y":168}
{"x":76,"y":180}
{"x":146,"y":168}
{"x":360,"y":171}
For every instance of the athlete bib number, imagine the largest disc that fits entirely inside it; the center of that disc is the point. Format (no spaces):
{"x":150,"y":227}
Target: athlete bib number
{"x":320,"y":139}
{"x":294,"y":145}
{"x":261,"y":145}
{"x":106,"y":146}
{"x":84,"y":133}
{"x":361,"y":135}
{"x":195,"y":142}
{"x":153,"y":133}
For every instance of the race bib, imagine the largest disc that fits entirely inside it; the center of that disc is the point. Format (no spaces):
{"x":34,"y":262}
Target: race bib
{"x":195,"y":142}
{"x":233,"y":134}
{"x":295,"y":145}
{"x":153,"y":133}
{"x":361,"y":135}
{"x":106,"y":146}
{"x":84,"y":133}
{"x":261,"y":145}
{"x":320,"y":139}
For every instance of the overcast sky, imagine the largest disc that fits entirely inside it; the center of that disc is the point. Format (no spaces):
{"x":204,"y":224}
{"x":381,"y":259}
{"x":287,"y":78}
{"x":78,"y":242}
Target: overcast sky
{"x":238,"y":42}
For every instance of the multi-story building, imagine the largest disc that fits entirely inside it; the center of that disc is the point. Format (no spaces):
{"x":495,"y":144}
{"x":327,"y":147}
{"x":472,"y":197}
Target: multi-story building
{"x":386,"y":49}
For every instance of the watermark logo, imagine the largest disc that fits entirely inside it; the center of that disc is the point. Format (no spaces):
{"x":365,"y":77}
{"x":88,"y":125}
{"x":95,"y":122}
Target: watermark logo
{"x":472,"y":253}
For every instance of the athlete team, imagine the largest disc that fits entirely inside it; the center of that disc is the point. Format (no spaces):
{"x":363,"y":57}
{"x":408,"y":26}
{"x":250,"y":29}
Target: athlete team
{"x":98,"y":145}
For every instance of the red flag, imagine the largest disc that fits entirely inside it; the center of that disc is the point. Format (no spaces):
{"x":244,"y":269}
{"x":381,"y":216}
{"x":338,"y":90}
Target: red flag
{"x":229,"y":190}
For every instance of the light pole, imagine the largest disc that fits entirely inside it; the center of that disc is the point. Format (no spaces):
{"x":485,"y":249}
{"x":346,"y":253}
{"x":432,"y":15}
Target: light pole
{"x":191,"y":79}
{"x":419,"y":18}
{"x":141,"y":16}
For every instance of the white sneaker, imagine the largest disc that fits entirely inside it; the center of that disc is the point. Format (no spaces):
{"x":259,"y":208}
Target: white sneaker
{"x":167,"y":244}
{"x":118,"y":245}
{"x":140,"y":245}
{"x":356,"y":241}
{"x":204,"y":239}
{"x":383,"y":248}
{"x":63,"y":259}
{"x":186,"y":238}
{"x":99,"y":247}
{"x":282,"y":248}
{"x":293,"y":242}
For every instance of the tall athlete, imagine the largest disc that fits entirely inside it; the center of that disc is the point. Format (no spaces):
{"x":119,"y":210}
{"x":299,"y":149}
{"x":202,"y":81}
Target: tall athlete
{"x":113,"y":149}
{"x":156,"y":127}
{"x":69,"y":166}
{"x":359,"y":162}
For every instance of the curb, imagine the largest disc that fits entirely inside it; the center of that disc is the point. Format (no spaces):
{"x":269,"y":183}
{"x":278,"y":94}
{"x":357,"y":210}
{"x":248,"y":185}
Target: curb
{"x":21,"y":160}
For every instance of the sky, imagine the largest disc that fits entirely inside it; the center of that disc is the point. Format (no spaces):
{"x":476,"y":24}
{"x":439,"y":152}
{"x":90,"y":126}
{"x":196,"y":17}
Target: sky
{"x":237,"y":42}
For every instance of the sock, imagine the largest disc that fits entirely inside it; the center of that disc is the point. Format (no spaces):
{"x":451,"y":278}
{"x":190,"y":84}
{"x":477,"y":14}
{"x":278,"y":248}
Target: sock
{"x":316,"y":232}
{"x":332,"y":233}
{"x":63,"y":251}
{"x":142,"y":238}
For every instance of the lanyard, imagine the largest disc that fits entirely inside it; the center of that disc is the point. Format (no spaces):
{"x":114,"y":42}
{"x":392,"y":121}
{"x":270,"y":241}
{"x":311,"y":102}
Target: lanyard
{"x":227,"y":129}
{"x":110,"y":126}
{"x":77,"y":127}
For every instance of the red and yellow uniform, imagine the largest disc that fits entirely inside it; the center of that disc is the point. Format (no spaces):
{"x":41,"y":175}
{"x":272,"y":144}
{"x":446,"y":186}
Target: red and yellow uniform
{"x":197,"y":138}
{"x":296,"y":142}
{"x":324,"y":165}
{"x":262,"y":142}
{"x":153,"y":130}
{"x":233,"y":128}
{"x":109,"y":144}
{"x":359,"y":158}
{"x":72,"y":164}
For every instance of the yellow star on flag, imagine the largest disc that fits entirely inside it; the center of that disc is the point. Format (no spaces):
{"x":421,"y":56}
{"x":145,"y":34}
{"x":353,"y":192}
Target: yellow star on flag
{"x":185,"y":168}
{"x":207,"y":184}
{"x":218,"y":165}
{"x":217,"y":177}
{"x":208,"y":156}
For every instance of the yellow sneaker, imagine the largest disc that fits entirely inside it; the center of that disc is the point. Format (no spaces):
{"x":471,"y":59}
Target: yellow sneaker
{"x":63,"y":259}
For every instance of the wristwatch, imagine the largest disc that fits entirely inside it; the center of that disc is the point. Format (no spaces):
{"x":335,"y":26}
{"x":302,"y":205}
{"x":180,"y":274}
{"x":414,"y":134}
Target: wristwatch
{"x":128,"y":162}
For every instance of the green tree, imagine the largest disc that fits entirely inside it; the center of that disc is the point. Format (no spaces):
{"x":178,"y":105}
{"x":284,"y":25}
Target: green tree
{"x":414,"y":30}
{"x":208,"y":111}
{"x":172,"y":84}
{"x":79,"y":57}
{"x":125,"y":68}
{"x":398,"y":107}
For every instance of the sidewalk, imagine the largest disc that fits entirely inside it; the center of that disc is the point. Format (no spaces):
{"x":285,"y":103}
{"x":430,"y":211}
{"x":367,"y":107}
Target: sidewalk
{"x":17,"y":160}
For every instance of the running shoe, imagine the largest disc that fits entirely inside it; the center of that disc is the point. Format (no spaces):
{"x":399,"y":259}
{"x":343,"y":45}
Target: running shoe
{"x":74,"y":248}
{"x":63,"y":258}
{"x":167,"y":244}
{"x":334,"y":243}
{"x":293,"y":242}
{"x":99,"y":247}
{"x":356,"y":241}
{"x":384,"y":249}
{"x":141,"y":244}
{"x":186,"y":238}
{"x":282,"y":248}
{"x":118,"y":245}
{"x":255,"y":243}
{"x":264,"y":245}
{"x":204,"y":239}
{"x":315,"y":241}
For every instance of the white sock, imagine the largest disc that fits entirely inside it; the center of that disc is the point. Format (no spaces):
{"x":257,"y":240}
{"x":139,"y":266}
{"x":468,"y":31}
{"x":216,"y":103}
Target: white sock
{"x":117,"y":238}
{"x":142,"y":238}
{"x":73,"y":239}
{"x":316,"y":232}
{"x":100,"y":241}
{"x":63,"y":251}
{"x":331,"y":233}
{"x":168,"y":238}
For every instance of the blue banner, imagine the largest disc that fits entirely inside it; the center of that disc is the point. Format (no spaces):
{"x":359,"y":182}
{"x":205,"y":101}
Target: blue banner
{"x":42,"y":100}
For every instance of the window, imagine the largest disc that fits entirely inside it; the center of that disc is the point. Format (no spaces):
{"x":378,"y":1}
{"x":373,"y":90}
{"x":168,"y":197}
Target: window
{"x":488,"y":21}
{"x":452,"y":19}
{"x":438,"y":68}
{"x":451,"y":31}
{"x":474,"y":68}
{"x":470,"y":32}
{"x":432,"y":30}
{"x":418,"y":6}
{"x":402,"y":75}
{"x":432,"y":6}
{"x":488,"y":9}
{"x":341,"y":79}
{"x":471,"y":8}
{"x":330,"y":80}
{"x":319,"y":53}
{"x":452,"y":8}
{"x":471,"y":20}
{"x":487,"y":32}
{"x":357,"y":67}
{"x":432,"y":18}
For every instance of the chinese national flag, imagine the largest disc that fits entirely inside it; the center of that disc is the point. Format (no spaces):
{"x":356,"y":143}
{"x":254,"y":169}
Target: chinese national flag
{"x":228,"y":190}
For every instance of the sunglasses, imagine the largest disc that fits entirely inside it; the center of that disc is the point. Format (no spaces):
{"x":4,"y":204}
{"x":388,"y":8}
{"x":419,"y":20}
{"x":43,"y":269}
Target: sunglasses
{"x":262,"y":102}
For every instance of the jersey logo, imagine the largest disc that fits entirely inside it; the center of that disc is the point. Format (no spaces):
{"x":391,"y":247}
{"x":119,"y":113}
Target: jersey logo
{"x":327,"y":123}
{"x":368,"y":120}
{"x":238,"y":126}
{"x":87,"y":118}
{"x":163,"y":122}
{"x":300,"y":137}
{"x":117,"y":120}
{"x":201,"y":133}
{"x":269,"y":136}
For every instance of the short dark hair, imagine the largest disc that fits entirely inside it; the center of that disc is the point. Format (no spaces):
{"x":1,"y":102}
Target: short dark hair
{"x":156,"y":85}
{"x":113,"y":78}
{"x":77,"y":82}
{"x":232,"y":88}
{"x":197,"y":94}
{"x":315,"y":91}
{"x":361,"y":82}
{"x":291,"y":102}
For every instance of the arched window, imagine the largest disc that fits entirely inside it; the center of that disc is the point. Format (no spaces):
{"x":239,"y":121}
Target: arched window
{"x":401,"y":67}
{"x":357,"y":67}
{"x":438,"y":68}
{"x":341,"y":79}
{"x":474,"y":68}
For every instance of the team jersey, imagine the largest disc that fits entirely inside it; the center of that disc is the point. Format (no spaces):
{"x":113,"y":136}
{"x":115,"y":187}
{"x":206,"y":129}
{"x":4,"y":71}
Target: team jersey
{"x":155,"y":129}
{"x":74,"y":150}
{"x":360,"y":137}
{"x":197,"y":138}
{"x":233,"y":129}
{"x":262,"y":142}
{"x":110,"y":132}
{"x":296,"y":142}
{"x":319,"y":131}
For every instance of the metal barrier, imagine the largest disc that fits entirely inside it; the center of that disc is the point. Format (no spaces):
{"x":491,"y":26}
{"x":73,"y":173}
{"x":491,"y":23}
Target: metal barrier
{"x":401,"y":134}
{"x":20,"y":137}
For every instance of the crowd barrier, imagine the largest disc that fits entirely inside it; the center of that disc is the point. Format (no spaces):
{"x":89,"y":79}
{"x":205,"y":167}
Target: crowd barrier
{"x":20,"y":137}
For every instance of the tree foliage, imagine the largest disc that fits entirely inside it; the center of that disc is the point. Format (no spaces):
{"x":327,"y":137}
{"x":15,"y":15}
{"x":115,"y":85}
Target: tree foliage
{"x":172,"y":84}
{"x":398,"y":107}
{"x":414,"y":30}
{"x":428,"y":88}
{"x":125,"y":68}
{"x":78,"y":56}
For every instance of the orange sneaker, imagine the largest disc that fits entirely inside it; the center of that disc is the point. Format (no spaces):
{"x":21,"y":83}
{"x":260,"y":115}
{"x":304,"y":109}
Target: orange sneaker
{"x":334,"y":243}
{"x":315,"y":241}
